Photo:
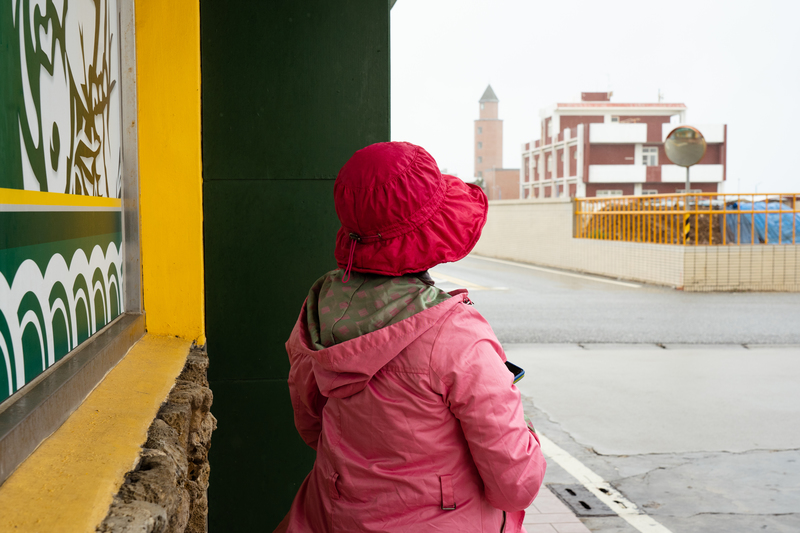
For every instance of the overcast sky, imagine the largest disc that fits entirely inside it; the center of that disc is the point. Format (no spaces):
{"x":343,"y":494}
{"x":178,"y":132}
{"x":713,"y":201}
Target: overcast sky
{"x":732,"y":62}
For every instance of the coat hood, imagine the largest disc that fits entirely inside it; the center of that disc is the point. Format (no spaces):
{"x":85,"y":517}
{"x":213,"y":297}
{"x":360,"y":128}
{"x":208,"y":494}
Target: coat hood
{"x":344,"y":369}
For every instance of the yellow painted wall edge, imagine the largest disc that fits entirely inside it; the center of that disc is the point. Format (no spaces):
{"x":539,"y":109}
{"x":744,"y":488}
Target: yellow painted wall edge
{"x":68,"y":483}
{"x":170,"y":166}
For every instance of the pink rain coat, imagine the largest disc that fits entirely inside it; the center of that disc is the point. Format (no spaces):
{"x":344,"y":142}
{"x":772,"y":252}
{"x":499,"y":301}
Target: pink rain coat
{"x":417,"y":427}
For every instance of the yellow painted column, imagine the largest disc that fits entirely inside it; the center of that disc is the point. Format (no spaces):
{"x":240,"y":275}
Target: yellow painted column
{"x":170,"y":166}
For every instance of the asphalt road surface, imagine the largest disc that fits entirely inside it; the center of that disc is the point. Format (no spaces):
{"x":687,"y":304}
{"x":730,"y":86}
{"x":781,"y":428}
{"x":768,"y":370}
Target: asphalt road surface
{"x":688,"y":404}
{"x":553,"y":306}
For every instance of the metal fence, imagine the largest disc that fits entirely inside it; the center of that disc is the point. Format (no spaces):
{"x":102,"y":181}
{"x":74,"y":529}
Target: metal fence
{"x":691,"y":219}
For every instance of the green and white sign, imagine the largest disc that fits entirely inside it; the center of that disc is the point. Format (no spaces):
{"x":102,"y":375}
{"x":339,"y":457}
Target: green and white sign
{"x":61,"y":243}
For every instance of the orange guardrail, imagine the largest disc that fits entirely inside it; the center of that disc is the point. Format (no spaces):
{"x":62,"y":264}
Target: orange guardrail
{"x":691,"y":219}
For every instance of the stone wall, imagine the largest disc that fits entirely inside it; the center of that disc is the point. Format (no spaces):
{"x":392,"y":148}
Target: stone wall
{"x":167,"y":490}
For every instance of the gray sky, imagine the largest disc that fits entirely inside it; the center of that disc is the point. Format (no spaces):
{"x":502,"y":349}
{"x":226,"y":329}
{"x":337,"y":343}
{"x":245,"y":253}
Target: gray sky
{"x":732,"y":62}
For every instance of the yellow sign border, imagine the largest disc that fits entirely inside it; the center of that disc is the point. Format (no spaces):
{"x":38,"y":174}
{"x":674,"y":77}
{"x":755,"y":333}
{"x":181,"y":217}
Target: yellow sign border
{"x":22,"y":197}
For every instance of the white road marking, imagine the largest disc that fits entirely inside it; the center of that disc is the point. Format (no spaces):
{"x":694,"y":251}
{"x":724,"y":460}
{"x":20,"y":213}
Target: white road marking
{"x":440,"y":277}
{"x":610,"y":496}
{"x":562,"y":273}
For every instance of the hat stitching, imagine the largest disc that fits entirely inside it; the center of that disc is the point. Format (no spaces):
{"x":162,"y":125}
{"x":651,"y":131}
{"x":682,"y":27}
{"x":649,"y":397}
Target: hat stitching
{"x":393,"y":178}
{"x":413,"y":222}
{"x":467,"y":248}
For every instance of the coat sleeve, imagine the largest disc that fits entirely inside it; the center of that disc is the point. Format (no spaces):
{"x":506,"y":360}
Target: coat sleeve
{"x":467,"y":363}
{"x":307,"y":400}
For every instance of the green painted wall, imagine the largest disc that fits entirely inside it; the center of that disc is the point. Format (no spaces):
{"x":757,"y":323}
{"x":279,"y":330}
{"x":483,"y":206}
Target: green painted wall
{"x":290,"y":90}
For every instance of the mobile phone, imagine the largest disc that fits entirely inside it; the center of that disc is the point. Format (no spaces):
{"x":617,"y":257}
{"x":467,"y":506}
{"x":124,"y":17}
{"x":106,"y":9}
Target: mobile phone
{"x":517,"y":371}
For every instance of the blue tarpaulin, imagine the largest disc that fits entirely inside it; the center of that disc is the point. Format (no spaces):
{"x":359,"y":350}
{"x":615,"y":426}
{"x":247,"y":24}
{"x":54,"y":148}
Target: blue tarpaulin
{"x":739,"y":227}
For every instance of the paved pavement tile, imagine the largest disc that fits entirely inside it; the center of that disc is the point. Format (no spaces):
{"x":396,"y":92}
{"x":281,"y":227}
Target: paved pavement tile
{"x":547,"y":518}
{"x":539,"y":528}
{"x":548,"y":514}
{"x":571,"y":528}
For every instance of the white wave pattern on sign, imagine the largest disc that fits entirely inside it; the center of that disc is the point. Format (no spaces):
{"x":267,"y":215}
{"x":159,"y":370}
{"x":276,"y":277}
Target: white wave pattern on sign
{"x":63,"y":292}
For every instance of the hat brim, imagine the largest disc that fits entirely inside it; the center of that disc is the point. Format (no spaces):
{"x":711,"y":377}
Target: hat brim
{"x":448,"y":235}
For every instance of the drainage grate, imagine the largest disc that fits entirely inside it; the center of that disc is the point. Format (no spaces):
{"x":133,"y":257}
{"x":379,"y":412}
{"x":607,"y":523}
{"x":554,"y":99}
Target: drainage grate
{"x":580,"y":500}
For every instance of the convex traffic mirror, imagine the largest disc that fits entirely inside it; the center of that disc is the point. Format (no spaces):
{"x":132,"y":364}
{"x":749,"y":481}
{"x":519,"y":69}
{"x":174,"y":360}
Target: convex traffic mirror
{"x":685,"y":146}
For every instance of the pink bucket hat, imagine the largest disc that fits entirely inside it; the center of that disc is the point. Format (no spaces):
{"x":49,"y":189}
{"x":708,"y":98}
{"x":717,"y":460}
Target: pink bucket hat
{"x":400,"y":215}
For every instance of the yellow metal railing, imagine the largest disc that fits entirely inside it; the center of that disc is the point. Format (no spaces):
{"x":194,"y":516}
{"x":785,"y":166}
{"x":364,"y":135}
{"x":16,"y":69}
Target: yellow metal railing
{"x":691,"y":219}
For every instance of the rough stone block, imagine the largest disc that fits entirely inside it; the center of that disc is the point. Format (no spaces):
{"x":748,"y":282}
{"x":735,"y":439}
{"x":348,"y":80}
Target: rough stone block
{"x":135,"y":517}
{"x":166,"y":492}
{"x":196,"y":369}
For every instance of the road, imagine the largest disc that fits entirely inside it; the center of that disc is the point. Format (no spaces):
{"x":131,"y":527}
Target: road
{"x":563,"y":307}
{"x":686,"y":403}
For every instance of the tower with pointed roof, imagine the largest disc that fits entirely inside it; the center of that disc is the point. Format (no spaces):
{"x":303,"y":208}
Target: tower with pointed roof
{"x":499,"y":183}
{"x":488,"y":134}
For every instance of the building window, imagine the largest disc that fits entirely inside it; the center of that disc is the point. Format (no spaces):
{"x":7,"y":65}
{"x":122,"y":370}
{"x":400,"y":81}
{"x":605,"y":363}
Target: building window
{"x":550,"y":163}
{"x":609,"y":192}
{"x":550,"y":128}
{"x":614,"y":119}
{"x":650,"y":156}
{"x":480,"y":159}
{"x":649,"y":191}
{"x":481,"y":106}
{"x":533,"y":163}
{"x":575,"y":155}
{"x":562,"y":157}
{"x":480,"y":174}
{"x":480,"y":145}
{"x":480,"y":130}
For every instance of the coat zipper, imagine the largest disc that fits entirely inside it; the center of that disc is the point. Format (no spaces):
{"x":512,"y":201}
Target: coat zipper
{"x":503,"y":526}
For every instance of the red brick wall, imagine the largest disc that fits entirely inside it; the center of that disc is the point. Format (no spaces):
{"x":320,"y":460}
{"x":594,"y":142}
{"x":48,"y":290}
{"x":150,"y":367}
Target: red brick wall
{"x":502,"y":184}
{"x":572,"y":122}
{"x":612,"y":154}
{"x":662,"y":155}
{"x":573,"y":163}
{"x":713,"y":155}
{"x":547,"y":166}
{"x":559,"y":163}
{"x":653,"y":174}
{"x":489,"y":110}
{"x":595,"y":97}
{"x":653,"y":126}
{"x":492,"y":149}
{"x":573,"y":190}
{"x":527,"y":169}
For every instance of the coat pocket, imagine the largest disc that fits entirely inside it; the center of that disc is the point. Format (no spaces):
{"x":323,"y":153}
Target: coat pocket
{"x":448,"y":498}
{"x":333,"y":492}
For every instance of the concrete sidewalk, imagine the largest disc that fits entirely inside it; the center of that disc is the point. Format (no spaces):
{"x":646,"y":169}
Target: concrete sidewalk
{"x":699,"y":438}
{"x":548,"y":514}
